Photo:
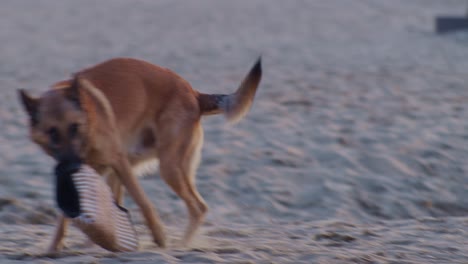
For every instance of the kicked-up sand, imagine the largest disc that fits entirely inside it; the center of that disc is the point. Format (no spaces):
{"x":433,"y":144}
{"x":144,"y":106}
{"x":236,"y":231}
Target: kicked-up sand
{"x":354,"y":152}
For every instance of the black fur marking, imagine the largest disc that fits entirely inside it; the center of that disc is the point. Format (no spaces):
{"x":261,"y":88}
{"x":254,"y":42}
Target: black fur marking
{"x":66,"y":193}
{"x":257,"y":68}
{"x":31,"y":107}
{"x":211,"y":102}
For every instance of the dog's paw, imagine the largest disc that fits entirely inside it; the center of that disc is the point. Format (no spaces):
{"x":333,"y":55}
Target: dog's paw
{"x":54,"y":250}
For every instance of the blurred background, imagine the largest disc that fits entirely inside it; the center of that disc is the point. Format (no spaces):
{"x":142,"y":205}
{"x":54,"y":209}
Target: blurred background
{"x":361,"y":115}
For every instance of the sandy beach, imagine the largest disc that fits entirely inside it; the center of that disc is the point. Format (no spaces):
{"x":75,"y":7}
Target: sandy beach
{"x":354,"y":152}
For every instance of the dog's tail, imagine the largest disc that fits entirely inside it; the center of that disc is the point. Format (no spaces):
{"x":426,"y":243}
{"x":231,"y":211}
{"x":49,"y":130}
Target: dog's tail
{"x":236,"y":105}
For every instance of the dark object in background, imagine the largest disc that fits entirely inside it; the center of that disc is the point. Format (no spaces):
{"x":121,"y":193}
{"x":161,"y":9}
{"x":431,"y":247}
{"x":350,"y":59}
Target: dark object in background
{"x":447,"y":24}
{"x":450,"y":24}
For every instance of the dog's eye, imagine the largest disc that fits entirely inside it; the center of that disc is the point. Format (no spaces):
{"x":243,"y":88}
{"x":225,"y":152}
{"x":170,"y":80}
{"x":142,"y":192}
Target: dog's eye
{"x":54,"y":135}
{"x":73,"y":129}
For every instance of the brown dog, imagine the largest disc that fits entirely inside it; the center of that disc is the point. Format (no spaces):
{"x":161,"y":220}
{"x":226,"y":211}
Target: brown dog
{"x":125,"y":112}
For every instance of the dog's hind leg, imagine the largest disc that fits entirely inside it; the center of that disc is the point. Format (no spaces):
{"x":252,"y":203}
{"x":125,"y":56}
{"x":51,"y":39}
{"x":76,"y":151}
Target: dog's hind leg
{"x":179,"y":160}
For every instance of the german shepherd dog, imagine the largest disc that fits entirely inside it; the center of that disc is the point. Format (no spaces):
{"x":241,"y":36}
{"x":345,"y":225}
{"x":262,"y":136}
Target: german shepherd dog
{"x":124,"y":113}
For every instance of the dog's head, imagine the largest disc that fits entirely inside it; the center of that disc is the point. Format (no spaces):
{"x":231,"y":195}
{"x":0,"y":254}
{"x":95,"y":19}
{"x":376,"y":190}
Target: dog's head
{"x":58,"y":122}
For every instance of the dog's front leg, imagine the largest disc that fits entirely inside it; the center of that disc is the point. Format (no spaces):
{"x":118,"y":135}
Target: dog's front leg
{"x":116,"y":187}
{"x":60,"y":231}
{"x":123,"y":171}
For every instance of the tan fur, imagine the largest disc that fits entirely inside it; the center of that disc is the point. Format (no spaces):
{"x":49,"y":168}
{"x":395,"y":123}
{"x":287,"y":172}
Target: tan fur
{"x":129,"y":113}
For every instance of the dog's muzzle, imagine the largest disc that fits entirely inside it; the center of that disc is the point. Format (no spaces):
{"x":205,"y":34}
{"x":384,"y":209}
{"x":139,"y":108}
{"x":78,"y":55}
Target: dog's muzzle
{"x":68,"y":162}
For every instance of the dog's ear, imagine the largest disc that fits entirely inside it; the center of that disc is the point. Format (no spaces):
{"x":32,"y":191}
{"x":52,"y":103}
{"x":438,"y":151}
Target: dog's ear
{"x":30,"y":105}
{"x":73,"y":92}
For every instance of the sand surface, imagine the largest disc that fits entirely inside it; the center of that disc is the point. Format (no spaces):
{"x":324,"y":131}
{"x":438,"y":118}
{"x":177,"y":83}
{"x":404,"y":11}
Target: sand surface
{"x":354,"y":152}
